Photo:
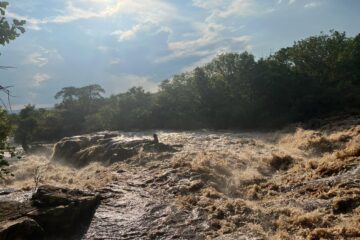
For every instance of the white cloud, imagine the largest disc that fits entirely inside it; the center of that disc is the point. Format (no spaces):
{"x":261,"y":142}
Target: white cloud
{"x":194,"y":47}
{"x":39,"y":78}
{"x":38,"y":59}
{"x":212,"y":36}
{"x":165,"y":29}
{"x":209,"y":37}
{"x":115,"y":61}
{"x":203,"y":61}
{"x":31,"y":23}
{"x":227,"y":8}
{"x":207,"y":50}
{"x":231,"y":46}
{"x":43,"y":56}
{"x":103,"y":49}
{"x":207,"y":4}
{"x":291,"y":2}
{"x":150,"y":11}
{"x":312,"y":5}
{"x":128,"y":34}
{"x":147,"y":16}
{"x":121,"y":83}
{"x":240,"y":8}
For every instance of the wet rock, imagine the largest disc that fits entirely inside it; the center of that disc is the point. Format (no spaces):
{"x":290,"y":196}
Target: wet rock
{"x":68,"y":147}
{"x":345,"y":205}
{"x":6,"y":191}
{"x":107,"y":148}
{"x":21,"y":228}
{"x":62,"y":210}
{"x":50,"y":212}
{"x":196,"y":185}
{"x":281,"y":162}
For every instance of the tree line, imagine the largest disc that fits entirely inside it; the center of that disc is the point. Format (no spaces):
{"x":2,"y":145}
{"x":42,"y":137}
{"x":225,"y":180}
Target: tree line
{"x":316,"y":77}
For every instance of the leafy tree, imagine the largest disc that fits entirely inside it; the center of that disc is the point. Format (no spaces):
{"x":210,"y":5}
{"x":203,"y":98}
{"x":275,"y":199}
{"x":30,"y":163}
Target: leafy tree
{"x":8,"y":32}
{"x":89,"y":97}
{"x":328,"y":61}
{"x":85,"y":97}
{"x":177,"y":103}
{"x":5,"y":128}
{"x":26,"y":128}
{"x":68,"y":95}
{"x":5,"y":147}
{"x":133,"y":109}
{"x":76,"y":104}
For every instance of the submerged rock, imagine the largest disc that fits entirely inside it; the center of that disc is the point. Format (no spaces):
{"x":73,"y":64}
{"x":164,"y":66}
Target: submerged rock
{"x":105,"y":147}
{"x":50,"y":212}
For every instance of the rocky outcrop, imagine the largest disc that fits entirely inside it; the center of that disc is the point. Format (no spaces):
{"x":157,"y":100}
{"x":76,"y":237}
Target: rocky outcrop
{"x":50,"y":212}
{"x":21,"y":228}
{"x":106,"y":147}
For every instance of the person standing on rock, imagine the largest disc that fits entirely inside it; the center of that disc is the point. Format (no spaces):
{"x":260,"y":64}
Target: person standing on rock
{"x":156,"y":140}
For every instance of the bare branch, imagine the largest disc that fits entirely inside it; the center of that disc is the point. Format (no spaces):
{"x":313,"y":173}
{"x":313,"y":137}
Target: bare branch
{"x":6,"y":67}
{"x":8,"y":93}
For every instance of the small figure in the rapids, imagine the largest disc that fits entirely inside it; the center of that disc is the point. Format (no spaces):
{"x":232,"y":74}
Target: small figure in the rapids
{"x":156,"y":139}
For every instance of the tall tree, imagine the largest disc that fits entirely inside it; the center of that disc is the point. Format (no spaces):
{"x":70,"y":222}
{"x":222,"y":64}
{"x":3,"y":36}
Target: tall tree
{"x":27,"y":125}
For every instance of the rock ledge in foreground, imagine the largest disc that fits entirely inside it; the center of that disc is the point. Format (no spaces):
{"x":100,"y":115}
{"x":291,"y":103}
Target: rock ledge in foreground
{"x":51,"y":212}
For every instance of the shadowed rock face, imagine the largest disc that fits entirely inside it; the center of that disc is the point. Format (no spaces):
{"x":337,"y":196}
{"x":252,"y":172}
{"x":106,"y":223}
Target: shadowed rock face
{"x":105,"y":147}
{"x":52,"y":212}
{"x":21,"y":228}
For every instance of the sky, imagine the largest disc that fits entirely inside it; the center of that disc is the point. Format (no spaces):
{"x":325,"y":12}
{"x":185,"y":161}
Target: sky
{"x":124,"y":43}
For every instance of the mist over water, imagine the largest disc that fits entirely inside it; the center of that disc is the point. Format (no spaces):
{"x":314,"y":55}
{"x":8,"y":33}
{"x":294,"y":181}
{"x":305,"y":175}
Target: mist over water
{"x":244,"y":151}
{"x":273,"y":184}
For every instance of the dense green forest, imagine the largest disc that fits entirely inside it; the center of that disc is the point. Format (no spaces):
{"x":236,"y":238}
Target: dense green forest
{"x":316,"y":77}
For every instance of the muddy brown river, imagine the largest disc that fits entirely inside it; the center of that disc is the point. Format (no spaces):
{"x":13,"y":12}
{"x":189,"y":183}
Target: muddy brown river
{"x":220,"y":185}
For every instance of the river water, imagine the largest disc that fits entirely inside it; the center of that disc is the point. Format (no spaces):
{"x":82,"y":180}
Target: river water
{"x":224,"y":185}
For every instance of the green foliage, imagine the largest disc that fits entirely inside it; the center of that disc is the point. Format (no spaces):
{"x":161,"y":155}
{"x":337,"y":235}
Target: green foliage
{"x":5,"y":129}
{"x":76,"y":106}
{"x":26,"y":126}
{"x":133,"y":109}
{"x":9,"y":30}
{"x":76,"y":113}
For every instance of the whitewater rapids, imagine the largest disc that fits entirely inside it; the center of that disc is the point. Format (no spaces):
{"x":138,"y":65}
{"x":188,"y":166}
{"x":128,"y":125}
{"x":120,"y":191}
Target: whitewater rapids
{"x":225,"y":185}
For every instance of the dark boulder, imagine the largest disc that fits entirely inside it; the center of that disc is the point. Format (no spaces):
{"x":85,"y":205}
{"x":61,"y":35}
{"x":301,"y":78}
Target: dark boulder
{"x":66,"y":149}
{"x":50,"y":212}
{"x":104,"y":147}
{"x":23,"y":228}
